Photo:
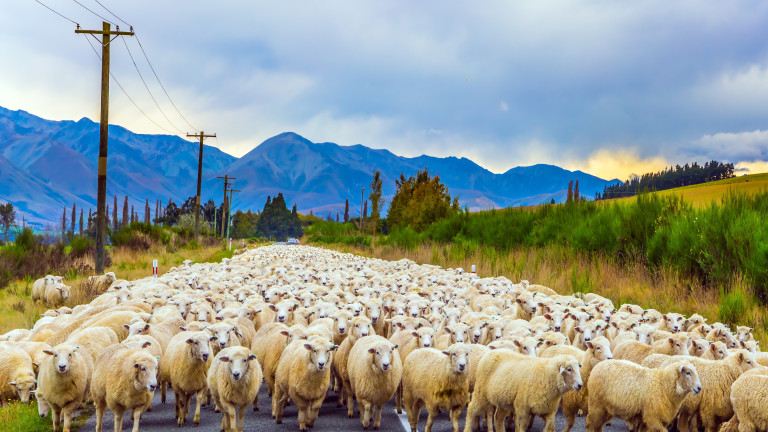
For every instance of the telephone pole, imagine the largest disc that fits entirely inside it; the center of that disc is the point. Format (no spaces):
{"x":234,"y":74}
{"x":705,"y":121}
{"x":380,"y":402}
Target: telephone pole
{"x":202,"y":136}
{"x":101,"y":184}
{"x":224,"y":207}
{"x":362,"y":216}
{"x":229,"y":213}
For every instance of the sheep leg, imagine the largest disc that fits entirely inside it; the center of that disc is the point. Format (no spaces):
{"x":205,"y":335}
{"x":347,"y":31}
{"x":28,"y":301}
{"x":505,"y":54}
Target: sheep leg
{"x":745,"y":426}
{"x":314,"y":411}
{"x":549,"y":422}
{"x":683,"y":421}
{"x":198,"y":402}
{"x":100,"y":408}
{"x":256,"y":403}
{"x":163,"y":388}
{"x":472,"y":412}
{"x":303,"y":419}
{"x":181,"y":407}
{"x":454,"y":415}
{"x":240,"y":419}
{"x":229,"y":415}
{"x":365,"y":413}
{"x":136,"y":419}
{"x":522,"y":421}
{"x":278,"y":403}
{"x":433,"y":411}
{"x":55,"y":417}
{"x":413,"y":410}
{"x":67,"y":412}
{"x":350,"y":401}
{"x":595,"y":419}
{"x":399,"y":398}
{"x":377,"y":420}
{"x":498,"y":421}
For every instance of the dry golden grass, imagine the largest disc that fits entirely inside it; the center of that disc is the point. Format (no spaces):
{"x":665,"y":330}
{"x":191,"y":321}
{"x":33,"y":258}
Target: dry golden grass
{"x":17,"y":310}
{"x":566,"y":273}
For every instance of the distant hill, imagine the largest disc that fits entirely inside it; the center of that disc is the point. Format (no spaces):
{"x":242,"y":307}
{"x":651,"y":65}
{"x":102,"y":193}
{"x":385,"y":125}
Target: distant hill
{"x":45,"y":165}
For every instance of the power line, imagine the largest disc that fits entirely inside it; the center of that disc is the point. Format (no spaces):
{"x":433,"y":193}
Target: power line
{"x":161,"y":84}
{"x":57,"y":13}
{"x":112,"y":13}
{"x":126,"y":93}
{"x":148,"y":90}
{"x":91,"y":11}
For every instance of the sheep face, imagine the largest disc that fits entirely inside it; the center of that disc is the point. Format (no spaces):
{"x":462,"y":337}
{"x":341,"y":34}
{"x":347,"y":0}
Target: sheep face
{"x":459,"y":333}
{"x":589,"y":330}
{"x":570,"y":371}
{"x":382,"y":355}
{"x":425,"y":337}
{"x":556,"y":320}
{"x":477,"y":331}
{"x":415,"y":308}
{"x":237,"y":363}
{"x":341,"y":321}
{"x":726,"y":337}
{"x":284,"y":311}
{"x":223,"y":333}
{"x":200,"y":346}
{"x":527,"y":303}
{"x":42,"y":407}
{"x":183,"y":304}
{"x":496,"y":330}
{"x":24,"y":388}
{"x":204,"y":313}
{"x":719,"y":350}
{"x":601,"y":349}
{"x":146,"y":373}
{"x":688,"y":378}
{"x":743,"y":333}
{"x":751,"y":346}
{"x":137,"y":328}
{"x":694,"y":321}
{"x":373,"y":311}
{"x":528,"y":346}
{"x":62,"y":356}
{"x":644,"y":333}
{"x":64,"y":290}
{"x":699,"y":347}
{"x":679,"y":345}
{"x":361,"y":327}
{"x":674,"y":322}
{"x":459,"y":357}
{"x":320,"y":352}
{"x":747,"y":361}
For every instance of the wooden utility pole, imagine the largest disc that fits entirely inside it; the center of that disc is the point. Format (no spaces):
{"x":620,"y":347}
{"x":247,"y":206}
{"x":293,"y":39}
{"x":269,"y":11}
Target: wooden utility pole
{"x":223,"y":206}
{"x":101,"y":196}
{"x":202,"y":136}
{"x":362,"y":216}
{"x":229,"y":212}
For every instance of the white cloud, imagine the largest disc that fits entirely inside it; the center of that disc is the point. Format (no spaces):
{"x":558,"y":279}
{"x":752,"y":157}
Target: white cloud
{"x":731,"y":146}
{"x":503,"y":106}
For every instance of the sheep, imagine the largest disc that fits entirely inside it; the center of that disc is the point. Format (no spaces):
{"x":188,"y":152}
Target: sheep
{"x":93,"y":341}
{"x":17,"y":375}
{"x":723,"y":335}
{"x":124,"y":378}
{"x":303,"y":374}
{"x":40,"y":285}
{"x":163,"y":331}
{"x":34,"y":349}
{"x":597,"y":351}
{"x":56,"y":294}
{"x":749,"y":399}
{"x":712,"y":406}
{"x":635,"y":351}
{"x":185,"y":364}
{"x":526,"y":386}
{"x":234,"y":378}
{"x":645,"y":398}
{"x":375,"y":370}
{"x":744,"y":334}
{"x":268,"y":346}
{"x":64,"y":382}
{"x":101,"y":283}
{"x":361,"y":327}
{"x":436,"y":379}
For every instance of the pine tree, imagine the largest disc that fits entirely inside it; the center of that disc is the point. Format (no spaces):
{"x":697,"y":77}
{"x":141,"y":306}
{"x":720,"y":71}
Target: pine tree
{"x":576,"y":192}
{"x":74,"y":217}
{"x":88,"y":226}
{"x":569,"y":197}
{"x":106,"y":216}
{"x":365,"y":209}
{"x":337,"y":216}
{"x":125,"y":212}
{"x":146,"y":212}
{"x":81,"y":222}
{"x":115,"y":224}
{"x":157,"y":210}
{"x":64,"y":222}
{"x":346,"y":211}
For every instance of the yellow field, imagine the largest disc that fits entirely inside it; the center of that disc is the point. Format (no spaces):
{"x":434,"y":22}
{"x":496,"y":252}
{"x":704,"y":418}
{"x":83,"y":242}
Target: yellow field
{"x":701,"y":195}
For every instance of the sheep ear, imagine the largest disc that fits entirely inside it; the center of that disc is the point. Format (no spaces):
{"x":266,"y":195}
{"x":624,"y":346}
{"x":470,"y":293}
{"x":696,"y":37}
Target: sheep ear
{"x":741,"y":356}
{"x":285,"y":332}
{"x":35,"y":364}
{"x":714,"y":348}
{"x":224,"y":359}
{"x":252,"y":357}
{"x":273,"y":307}
{"x":414,"y":334}
{"x":333,"y":348}
{"x":589,"y":345}
{"x":672,"y":341}
{"x":308,"y":346}
{"x":12,"y":383}
{"x":446,"y":353}
{"x":146,"y":326}
{"x":517,"y":343}
{"x":127,"y":327}
{"x":562,"y":368}
{"x":189,"y":341}
{"x":371,"y":350}
{"x":146,"y":344}
{"x":446,"y":329}
{"x":183,"y":328}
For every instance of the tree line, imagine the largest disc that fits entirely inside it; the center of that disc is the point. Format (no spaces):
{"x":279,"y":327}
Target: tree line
{"x":677,"y":176}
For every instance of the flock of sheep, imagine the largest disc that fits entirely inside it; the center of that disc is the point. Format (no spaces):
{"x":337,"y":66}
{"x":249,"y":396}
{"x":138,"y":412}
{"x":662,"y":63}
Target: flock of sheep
{"x":310,"y":321}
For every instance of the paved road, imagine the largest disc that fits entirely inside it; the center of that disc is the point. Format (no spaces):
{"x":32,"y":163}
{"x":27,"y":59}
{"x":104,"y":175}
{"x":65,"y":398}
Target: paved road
{"x":331,"y":419}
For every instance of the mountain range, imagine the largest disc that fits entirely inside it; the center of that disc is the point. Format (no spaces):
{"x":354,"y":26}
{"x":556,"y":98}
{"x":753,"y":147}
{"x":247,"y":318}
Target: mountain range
{"x":46,"y":165}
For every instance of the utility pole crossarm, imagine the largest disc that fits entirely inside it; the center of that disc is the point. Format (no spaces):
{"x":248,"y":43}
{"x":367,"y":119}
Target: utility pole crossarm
{"x":104,"y":32}
{"x":197,"y":135}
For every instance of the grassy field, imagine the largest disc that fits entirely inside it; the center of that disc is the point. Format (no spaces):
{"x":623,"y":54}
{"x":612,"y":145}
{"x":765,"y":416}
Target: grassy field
{"x":567,"y":272}
{"x":17,"y":310}
{"x":704,"y":194}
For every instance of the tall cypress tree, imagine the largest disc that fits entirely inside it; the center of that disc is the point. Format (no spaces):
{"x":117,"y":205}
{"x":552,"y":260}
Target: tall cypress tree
{"x":81,"y":222}
{"x":125,"y":212}
{"x":576,"y":191}
{"x":346,"y":211}
{"x":74,"y":217}
{"x":115,"y":224}
{"x":569,"y":198}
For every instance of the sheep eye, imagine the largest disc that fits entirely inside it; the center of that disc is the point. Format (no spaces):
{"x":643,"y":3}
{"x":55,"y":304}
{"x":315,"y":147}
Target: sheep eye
{"x":570,"y":369}
{"x":688,"y":373}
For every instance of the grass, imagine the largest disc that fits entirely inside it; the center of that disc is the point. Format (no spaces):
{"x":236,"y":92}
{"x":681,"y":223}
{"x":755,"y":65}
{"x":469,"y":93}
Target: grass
{"x":568,"y":272}
{"x":19,"y":417}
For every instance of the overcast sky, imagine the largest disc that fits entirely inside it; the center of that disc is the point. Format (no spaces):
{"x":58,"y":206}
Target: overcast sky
{"x":611,"y":88}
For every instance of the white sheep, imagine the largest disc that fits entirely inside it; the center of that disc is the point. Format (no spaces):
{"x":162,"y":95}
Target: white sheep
{"x":436,"y":379}
{"x":750,"y":402}
{"x":648,"y":399}
{"x":303,"y":374}
{"x":40,"y":285}
{"x":375,"y":370}
{"x":525,"y":386}
{"x":17,"y":375}
{"x":234,"y":379}
{"x":64,"y":382}
{"x":56,"y":294}
{"x":124,"y":378}
{"x":185,"y":365}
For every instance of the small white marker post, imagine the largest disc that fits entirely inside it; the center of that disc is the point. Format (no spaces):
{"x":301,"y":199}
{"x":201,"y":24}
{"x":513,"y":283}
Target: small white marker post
{"x":154,"y":269}
{"x":473,"y":269}
{"x":230,"y":244}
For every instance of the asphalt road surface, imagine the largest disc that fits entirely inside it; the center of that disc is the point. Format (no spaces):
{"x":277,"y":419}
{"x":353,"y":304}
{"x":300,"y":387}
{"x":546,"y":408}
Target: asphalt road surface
{"x":331,"y":419}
